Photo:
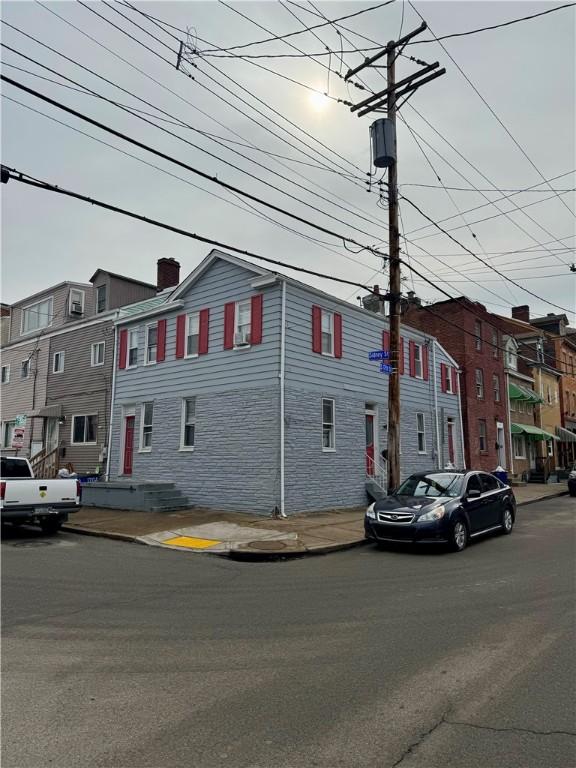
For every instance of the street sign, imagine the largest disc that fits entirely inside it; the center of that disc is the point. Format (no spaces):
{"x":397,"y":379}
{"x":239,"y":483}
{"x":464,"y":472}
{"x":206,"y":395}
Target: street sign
{"x":379,"y":354}
{"x":385,"y":368}
{"x":18,"y":437}
{"x":20,"y":420}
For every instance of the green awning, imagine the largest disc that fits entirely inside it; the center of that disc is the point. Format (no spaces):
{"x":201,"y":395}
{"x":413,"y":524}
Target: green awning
{"x":565,"y":435}
{"x":532,"y":432}
{"x":516,"y":392}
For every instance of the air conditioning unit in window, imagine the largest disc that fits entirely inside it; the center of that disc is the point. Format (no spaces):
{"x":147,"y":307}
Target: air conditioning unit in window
{"x":241,"y":339}
{"x":76,"y":308}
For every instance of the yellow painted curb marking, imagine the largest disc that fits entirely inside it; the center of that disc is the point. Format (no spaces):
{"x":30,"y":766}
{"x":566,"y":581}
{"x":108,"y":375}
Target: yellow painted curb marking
{"x":191,"y":542}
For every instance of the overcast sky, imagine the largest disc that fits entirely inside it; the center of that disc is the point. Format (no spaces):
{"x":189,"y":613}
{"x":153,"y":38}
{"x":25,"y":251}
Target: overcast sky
{"x":525,"y":72}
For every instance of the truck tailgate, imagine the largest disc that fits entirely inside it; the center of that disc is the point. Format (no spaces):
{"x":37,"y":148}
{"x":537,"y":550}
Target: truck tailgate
{"x":27,"y":492}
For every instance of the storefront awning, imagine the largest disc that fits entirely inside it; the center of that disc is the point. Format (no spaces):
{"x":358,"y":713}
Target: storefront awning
{"x":532,"y":432}
{"x":516,"y":392}
{"x":49,"y":412}
{"x":565,"y":436}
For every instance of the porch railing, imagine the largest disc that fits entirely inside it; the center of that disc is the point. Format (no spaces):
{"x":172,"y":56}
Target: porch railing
{"x":376,"y":472}
{"x":45,"y":464}
{"x":543,"y":466}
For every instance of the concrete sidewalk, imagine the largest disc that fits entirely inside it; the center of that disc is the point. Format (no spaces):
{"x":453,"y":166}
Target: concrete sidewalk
{"x":244,"y":536}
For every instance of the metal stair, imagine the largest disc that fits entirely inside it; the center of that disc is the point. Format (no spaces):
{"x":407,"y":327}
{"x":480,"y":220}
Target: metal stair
{"x":376,"y":479}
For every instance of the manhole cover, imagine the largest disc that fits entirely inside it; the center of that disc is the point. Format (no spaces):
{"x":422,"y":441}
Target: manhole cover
{"x":266,"y":545}
{"x":32,"y":543}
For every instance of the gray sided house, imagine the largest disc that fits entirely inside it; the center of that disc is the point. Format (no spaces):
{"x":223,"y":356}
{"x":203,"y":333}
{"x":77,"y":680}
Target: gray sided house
{"x":254,"y":392}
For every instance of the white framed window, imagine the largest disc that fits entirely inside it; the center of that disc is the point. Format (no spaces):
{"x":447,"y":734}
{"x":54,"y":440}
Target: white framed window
{"x":479,"y":383}
{"x":549,"y":448}
{"x":132,"y":357}
{"x":76,"y":302}
{"x":482,"y":436}
{"x":242,"y":323}
{"x":84,"y":429}
{"x":512,"y":405}
{"x":327,"y":333}
{"x":146,"y":419}
{"x":188,"y":428}
{"x":495,"y":343}
{"x":36,"y":316}
{"x":328,"y":424}
{"x":5,"y":377}
{"x":418,"y":367}
{"x":478,"y":334}
{"x":97,"y":354}
{"x":192,"y":334}
{"x":421,"y":429}
{"x":8,"y":433}
{"x":448,"y":379}
{"x":25,"y":368}
{"x":496,"y":387}
{"x":101,"y":298}
{"x":548,"y":394}
{"x":518,"y":444}
{"x":58,"y":362}
{"x":151,"y":343}
{"x":511,"y":358}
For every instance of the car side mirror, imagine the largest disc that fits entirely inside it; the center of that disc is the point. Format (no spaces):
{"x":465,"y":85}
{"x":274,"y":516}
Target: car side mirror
{"x":474,"y":493}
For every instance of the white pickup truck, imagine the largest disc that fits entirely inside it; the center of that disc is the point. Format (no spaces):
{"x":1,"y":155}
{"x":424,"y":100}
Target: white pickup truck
{"x":25,"y":499}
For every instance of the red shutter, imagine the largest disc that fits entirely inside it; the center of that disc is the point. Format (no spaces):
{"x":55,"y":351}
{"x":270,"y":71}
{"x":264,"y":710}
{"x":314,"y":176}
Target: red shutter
{"x":161,"y":349}
{"x":454,"y":380}
{"x":443,"y":369}
{"x":256,"y":319}
{"x":425,"y":373}
{"x":401,"y":356}
{"x":203,"y":331}
{"x":337,"y":335}
{"x":123,"y":348}
{"x":180,"y":335}
{"x":229,"y":310}
{"x":412,"y":352}
{"x":317,"y":330}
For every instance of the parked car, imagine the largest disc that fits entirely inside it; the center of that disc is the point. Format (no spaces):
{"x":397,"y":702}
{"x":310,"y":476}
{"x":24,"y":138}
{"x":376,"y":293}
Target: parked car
{"x":25,"y":499}
{"x":572,"y":481}
{"x":442,"y":508}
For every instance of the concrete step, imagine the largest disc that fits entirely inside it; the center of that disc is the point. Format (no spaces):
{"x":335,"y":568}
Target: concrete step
{"x":373,"y":490}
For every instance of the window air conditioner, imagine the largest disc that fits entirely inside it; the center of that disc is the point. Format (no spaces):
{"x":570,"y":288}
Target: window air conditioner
{"x":241,"y":339}
{"x":76,"y":308}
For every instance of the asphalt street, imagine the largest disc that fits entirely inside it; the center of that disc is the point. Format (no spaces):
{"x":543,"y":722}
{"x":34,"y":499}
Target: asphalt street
{"x":119,"y":655}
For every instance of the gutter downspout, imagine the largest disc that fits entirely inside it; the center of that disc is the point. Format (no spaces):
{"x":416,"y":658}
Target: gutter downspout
{"x":461,"y":420}
{"x":436,"y":405}
{"x":282,"y":405}
{"x":510,"y":443}
{"x":112,"y":399}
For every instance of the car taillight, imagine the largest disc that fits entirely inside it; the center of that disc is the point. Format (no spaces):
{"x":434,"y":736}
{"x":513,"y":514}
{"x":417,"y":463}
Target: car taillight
{"x":79,"y":490}
{"x":2,"y":490}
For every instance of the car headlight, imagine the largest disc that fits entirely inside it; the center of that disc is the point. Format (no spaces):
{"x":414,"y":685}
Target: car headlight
{"x":435,"y":514}
{"x":370,"y":512}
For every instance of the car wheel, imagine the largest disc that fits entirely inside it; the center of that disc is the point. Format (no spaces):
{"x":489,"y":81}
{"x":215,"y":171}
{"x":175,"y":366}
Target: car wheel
{"x":50,"y":527}
{"x":458,"y":536}
{"x":572,"y":491}
{"x":507,"y":521}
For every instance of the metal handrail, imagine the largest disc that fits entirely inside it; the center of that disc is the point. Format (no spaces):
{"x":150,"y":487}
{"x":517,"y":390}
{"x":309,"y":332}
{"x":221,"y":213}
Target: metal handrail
{"x":379,"y":474}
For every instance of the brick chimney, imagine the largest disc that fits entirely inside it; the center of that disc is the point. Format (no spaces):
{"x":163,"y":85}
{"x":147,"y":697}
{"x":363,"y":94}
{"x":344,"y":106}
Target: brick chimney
{"x":521,"y":313}
{"x":168,"y":274}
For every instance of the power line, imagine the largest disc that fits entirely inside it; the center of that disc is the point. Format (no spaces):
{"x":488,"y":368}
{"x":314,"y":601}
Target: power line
{"x":491,"y":110}
{"x":472,"y":189}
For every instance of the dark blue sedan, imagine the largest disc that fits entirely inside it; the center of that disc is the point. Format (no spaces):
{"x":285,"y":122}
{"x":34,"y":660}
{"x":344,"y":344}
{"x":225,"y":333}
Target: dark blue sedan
{"x":442,"y":508}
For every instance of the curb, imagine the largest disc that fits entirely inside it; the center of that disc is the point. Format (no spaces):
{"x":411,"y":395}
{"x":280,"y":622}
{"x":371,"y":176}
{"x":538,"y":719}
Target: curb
{"x":250,"y":556}
{"x":101,"y":534}
{"x":541,"y":498}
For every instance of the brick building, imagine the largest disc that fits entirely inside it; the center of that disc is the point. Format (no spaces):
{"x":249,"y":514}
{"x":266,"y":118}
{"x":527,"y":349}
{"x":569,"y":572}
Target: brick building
{"x":469,"y":334}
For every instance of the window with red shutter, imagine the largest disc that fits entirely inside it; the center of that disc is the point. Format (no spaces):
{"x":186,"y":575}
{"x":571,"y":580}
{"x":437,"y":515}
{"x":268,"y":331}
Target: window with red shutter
{"x":454,"y":381}
{"x":425,"y":369}
{"x":161,"y":350}
{"x":317,"y":330}
{"x":443,"y":377}
{"x":180,"y":335}
{"x":412,"y":354}
{"x":204,"y":327}
{"x":256,"y":319}
{"x":337,"y":335}
{"x":123,"y":348}
{"x":229,"y":311}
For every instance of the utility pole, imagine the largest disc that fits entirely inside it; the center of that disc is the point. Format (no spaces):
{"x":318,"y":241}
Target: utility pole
{"x":394,"y":286}
{"x":385,"y":133}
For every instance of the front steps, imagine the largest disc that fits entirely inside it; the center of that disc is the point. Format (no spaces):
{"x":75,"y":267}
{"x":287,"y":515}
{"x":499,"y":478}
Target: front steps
{"x":135,"y":495}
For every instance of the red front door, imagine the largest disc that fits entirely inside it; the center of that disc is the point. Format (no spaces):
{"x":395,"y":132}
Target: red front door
{"x":369,"y":444}
{"x":128,"y":444}
{"x":451,"y":441}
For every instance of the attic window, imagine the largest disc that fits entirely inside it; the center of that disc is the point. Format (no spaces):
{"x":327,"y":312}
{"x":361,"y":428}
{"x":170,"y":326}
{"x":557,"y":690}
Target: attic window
{"x":101,"y":298}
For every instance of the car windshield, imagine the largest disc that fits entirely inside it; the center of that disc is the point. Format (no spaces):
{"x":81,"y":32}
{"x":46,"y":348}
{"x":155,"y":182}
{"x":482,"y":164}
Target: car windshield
{"x":441,"y":484}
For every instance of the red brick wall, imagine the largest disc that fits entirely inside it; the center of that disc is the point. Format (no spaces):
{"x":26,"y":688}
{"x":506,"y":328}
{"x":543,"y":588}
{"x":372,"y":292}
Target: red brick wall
{"x":461,"y":346}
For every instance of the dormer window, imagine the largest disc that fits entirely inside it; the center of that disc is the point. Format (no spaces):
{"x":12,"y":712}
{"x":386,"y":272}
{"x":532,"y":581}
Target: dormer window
{"x":36,"y":316}
{"x":101,"y":298}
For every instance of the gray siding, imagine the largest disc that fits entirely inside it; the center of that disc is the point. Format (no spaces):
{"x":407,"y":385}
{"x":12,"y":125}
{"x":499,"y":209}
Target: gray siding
{"x":122,"y":292}
{"x":82,"y":389}
{"x":60,"y":308}
{"x":234,"y":465}
{"x":220,"y":369}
